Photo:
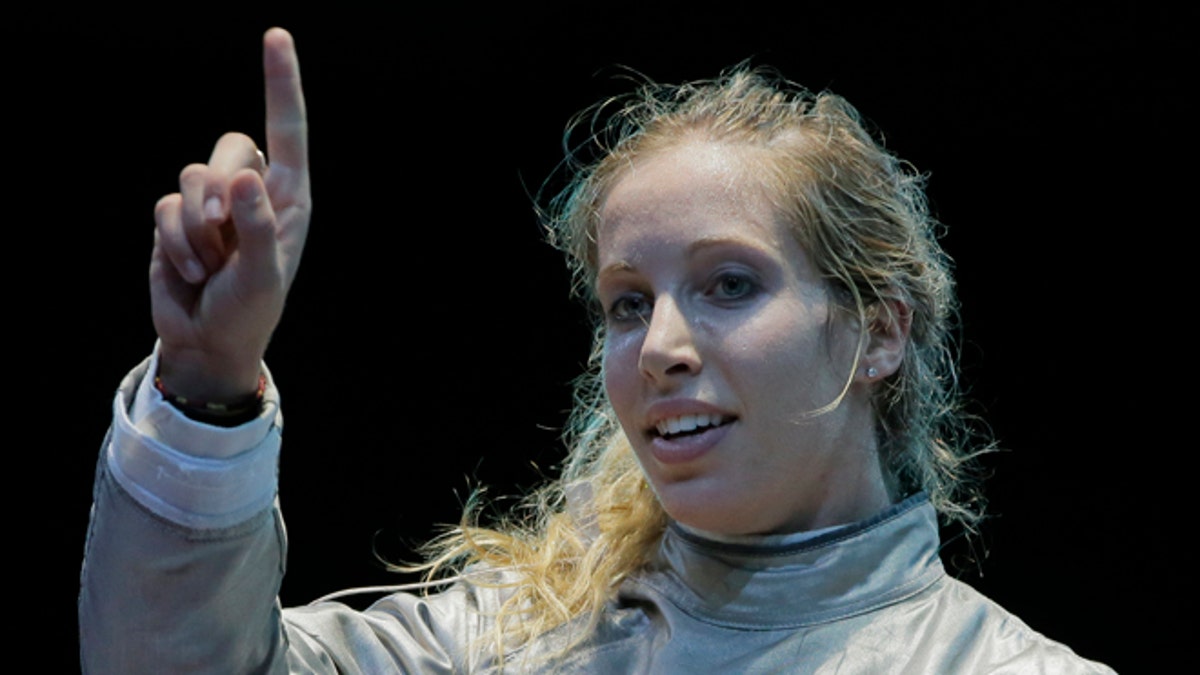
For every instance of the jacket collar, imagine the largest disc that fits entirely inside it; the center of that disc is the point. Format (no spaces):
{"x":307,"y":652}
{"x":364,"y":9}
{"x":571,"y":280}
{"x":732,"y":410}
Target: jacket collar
{"x":778,"y":582}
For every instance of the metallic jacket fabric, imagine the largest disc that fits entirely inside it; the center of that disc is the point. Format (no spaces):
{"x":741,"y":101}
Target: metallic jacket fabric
{"x":162,"y":597}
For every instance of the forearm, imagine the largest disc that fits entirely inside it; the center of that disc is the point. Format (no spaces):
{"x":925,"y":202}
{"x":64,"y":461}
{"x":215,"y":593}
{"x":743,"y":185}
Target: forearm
{"x":184,"y":575}
{"x":158,"y":598}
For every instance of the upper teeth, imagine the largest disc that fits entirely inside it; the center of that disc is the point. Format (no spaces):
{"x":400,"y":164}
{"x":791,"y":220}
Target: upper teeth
{"x":675,"y":425}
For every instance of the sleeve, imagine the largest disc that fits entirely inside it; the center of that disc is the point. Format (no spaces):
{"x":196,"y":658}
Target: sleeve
{"x":186,"y":552}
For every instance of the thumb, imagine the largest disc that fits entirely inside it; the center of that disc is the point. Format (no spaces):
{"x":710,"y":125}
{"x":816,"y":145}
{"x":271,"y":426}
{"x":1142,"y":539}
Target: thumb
{"x":254,"y":221}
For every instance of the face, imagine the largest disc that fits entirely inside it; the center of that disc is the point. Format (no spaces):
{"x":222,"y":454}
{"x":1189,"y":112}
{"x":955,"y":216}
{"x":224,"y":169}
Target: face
{"x":721,"y":344}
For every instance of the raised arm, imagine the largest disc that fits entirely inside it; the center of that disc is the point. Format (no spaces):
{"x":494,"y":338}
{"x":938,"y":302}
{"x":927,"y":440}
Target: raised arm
{"x":185,"y":553}
{"x":228,"y":244}
{"x":186,"y":547}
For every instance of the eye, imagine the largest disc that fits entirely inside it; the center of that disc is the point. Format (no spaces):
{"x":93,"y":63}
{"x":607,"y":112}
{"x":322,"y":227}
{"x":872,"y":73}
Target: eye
{"x":732,"y":286}
{"x":630,"y":306}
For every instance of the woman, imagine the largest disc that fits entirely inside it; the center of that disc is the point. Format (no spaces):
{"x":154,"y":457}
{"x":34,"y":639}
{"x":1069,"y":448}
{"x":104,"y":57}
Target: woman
{"x":757,"y":460}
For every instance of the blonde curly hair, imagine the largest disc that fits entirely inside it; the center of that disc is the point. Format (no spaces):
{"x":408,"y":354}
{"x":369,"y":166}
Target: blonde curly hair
{"x":861,"y":215}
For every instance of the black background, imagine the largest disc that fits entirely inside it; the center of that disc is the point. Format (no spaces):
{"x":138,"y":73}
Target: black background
{"x":429,"y":342}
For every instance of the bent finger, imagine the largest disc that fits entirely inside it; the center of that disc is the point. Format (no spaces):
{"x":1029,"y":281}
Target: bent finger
{"x":233,"y":152}
{"x":195,"y":183}
{"x":170,"y":238}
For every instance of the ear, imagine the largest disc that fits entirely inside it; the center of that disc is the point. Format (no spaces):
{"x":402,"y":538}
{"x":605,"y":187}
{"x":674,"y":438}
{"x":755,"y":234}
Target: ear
{"x":888,"y":324}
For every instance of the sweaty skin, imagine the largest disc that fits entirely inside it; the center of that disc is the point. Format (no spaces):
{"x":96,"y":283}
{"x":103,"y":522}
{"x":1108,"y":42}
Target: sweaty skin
{"x":714,"y":310}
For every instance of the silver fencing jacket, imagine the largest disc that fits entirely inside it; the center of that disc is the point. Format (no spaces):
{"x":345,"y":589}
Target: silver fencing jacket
{"x":163,"y":596}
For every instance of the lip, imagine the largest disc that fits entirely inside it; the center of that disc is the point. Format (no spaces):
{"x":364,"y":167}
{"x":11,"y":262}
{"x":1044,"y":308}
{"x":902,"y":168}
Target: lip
{"x":682,"y":449}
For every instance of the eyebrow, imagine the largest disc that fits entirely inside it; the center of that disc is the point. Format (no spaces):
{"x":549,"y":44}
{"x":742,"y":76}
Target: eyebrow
{"x":697,"y":246}
{"x":614,"y":268}
{"x":713,"y":242}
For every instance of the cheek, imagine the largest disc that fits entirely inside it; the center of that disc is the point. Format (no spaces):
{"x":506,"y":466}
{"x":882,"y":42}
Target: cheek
{"x":780,"y":360}
{"x":621,"y":374}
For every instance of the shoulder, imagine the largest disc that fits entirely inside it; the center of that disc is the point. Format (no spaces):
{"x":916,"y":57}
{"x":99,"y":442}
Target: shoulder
{"x":435,"y":633}
{"x":992,"y":639}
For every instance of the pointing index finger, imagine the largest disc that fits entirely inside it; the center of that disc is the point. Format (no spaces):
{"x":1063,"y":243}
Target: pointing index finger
{"x":287,"y":128}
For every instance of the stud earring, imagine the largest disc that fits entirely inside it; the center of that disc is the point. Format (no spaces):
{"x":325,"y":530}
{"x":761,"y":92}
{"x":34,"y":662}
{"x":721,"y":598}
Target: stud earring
{"x":872,"y":372}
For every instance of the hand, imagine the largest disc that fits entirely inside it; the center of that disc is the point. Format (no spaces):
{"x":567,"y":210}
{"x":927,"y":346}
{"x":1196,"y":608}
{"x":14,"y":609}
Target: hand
{"x":228,"y":244}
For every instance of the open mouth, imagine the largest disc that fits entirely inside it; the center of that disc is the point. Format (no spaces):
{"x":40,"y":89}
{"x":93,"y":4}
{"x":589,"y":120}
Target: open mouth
{"x":689,"y":425}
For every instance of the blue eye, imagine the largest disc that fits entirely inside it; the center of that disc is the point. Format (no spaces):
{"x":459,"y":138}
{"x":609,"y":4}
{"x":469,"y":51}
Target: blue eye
{"x":731,"y":286}
{"x":629,"y":307}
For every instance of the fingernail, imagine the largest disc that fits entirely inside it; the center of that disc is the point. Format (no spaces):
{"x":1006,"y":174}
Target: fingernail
{"x":193,"y":272}
{"x":247,"y":193}
{"x":212,"y":208}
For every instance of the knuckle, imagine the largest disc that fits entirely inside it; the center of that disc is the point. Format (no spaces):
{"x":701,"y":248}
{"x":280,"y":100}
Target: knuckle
{"x":166,"y":210}
{"x":166,"y":202}
{"x":234,"y":137}
{"x":192,"y":174}
{"x":233,"y":151}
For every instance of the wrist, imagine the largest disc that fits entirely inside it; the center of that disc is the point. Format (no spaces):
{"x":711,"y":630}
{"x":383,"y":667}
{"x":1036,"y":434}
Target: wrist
{"x":193,"y":376}
{"x":224,"y":414}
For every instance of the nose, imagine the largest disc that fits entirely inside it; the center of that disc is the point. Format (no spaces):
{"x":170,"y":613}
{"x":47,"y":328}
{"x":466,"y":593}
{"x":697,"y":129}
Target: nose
{"x":668,"y":349}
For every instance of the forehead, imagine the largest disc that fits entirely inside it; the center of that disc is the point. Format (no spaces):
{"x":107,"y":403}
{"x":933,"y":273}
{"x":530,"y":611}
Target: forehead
{"x":692,"y":191}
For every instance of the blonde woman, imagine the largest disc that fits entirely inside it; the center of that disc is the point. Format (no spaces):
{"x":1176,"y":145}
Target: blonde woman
{"x":758,"y":459}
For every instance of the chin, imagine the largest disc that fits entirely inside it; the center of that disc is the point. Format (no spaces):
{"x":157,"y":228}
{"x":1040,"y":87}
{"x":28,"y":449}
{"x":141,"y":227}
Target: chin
{"x":710,"y":509}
